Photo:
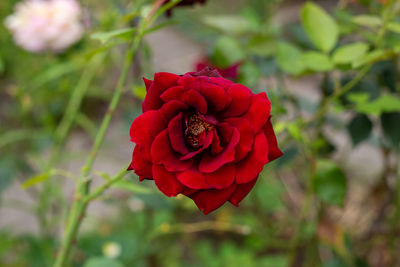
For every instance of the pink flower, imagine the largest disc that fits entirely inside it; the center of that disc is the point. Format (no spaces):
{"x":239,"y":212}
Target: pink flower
{"x":39,"y":25}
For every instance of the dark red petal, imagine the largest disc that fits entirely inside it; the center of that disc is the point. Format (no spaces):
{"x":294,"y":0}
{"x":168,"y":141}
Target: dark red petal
{"x":162,"y":81}
{"x":175,"y":133}
{"x":241,"y":192}
{"x":224,"y":83}
{"x":210,"y":164}
{"x":222,"y":178}
{"x":166,"y":181}
{"x":259,"y":111}
{"x":139,"y":130}
{"x":216,"y":143}
{"x":162,"y":153}
{"x":141,"y":166}
{"x":253,"y":164}
{"x":147,"y":83}
{"x":216,"y":96}
{"x":273,"y":150}
{"x":246,"y":137}
{"x":164,"y":115}
{"x":173,"y":93}
{"x":209,"y":200}
{"x":192,"y":179}
{"x":207,"y":142}
{"x":195,"y":99}
{"x":241,"y":98}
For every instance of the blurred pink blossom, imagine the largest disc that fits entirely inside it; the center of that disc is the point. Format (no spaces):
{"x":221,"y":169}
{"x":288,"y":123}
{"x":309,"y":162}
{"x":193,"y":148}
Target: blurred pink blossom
{"x":46,"y":25}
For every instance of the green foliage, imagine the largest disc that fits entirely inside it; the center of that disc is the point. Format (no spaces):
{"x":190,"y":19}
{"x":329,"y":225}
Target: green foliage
{"x":102,"y":262}
{"x":329,"y":183}
{"x":391,"y":126}
{"x":289,"y":58}
{"x":321,"y":28}
{"x":350,"y":53}
{"x":227,"y":51}
{"x":360,"y":128}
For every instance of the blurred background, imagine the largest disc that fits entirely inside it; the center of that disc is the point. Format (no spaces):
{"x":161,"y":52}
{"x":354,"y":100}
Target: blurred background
{"x":331,"y":70}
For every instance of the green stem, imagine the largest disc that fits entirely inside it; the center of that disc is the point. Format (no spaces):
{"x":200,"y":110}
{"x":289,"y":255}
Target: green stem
{"x":79,"y":206}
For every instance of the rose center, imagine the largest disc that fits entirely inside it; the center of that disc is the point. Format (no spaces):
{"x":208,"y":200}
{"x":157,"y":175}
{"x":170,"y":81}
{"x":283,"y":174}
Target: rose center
{"x":196,"y":129}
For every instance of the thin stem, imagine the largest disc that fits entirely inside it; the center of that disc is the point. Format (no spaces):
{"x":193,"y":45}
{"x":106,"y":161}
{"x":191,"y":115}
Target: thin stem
{"x":99,"y":190}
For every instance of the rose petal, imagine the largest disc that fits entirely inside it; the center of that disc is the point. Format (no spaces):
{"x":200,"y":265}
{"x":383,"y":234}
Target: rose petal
{"x":173,"y":93}
{"x":222,"y":178}
{"x":241,"y":98}
{"x":162,"y":81}
{"x":162,"y":153}
{"x":139,"y":131}
{"x":166,"y":181}
{"x":241,"y":192}
{"x":195,"y":99}
{"x":259,"y":111}
{"x":216,"y":144}
{"x":141,"y":166}
{"x":210,"y":163}
{"x":216,"y":96}
{"x":246,"y":137}
{"x":175,"y":133}
{"x":147,"y":83}
{"x":162,"y":117}
{"x":207,"y":142}
{"x":273,"y":150}
{"x":192,"y":179}
{"x":209,"y":200}
{"x":253,"y":164}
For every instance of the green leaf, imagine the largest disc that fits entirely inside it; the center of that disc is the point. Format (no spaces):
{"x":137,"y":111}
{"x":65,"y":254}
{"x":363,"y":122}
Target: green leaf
{"x":36,"y":179}
{"x":289,"y":58}
{"x":139,"y":92}
{"x":102,"y":262}
{"x":394,"y":27}
{"x":384,"y":103}
{"x":227,"y":51}
{"x":132,"y":187}
{"x":370,"y":57}
{"x":368,"y":20}
{"x":229,"y":24}
{"x":329,"y":183}
{"x":104,"y":37}
{"x":261,"y":46}
{"x":360,"y":128}
{"x":391,"y":126}
{"x":321,"y":28}
{"x":249,"y":74}
{"x":349,"y":53}
{"x":316,"y":61}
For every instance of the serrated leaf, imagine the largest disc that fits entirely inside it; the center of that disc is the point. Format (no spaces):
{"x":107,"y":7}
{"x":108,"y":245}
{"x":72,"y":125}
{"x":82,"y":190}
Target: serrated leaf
{"x":289,"y":58}
{"x":321,"y":28}
{"x":316,"y":61}
{"x":329,"y":183}
{"x":349,"y":53}
{"x":360,"y":128}
{"x":384,"y":103}
{"x":104,"y":37}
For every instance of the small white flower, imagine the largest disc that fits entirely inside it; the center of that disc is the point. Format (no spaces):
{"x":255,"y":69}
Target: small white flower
{"x":111,"y":250}
{"x":46,"y":25}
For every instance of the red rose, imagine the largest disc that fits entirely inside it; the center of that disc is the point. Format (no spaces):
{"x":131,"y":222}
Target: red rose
{"x":231,"y":72}
{"x":202,"y":136}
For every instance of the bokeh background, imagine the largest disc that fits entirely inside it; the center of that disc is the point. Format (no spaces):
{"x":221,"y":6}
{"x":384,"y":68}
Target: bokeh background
{"x":333,"y":198}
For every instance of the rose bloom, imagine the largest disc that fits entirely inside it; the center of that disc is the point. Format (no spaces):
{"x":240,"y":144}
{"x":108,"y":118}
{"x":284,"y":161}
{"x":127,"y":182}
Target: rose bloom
{"x":231,"y":72}
{"x":41,"y":25}
{"x":202,"y":136}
